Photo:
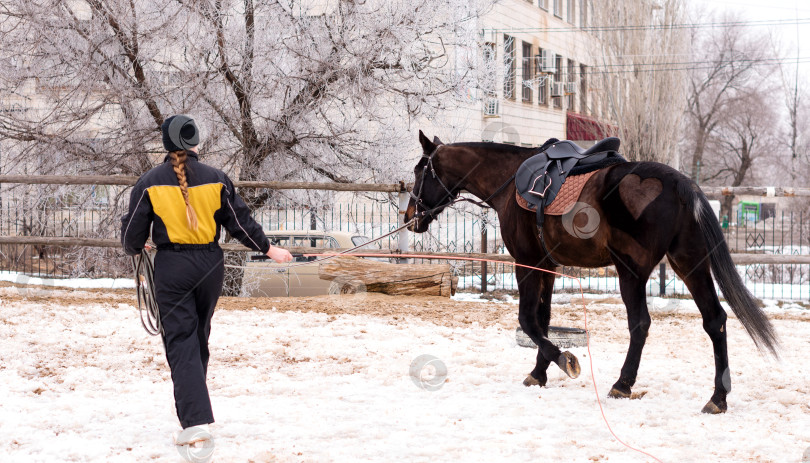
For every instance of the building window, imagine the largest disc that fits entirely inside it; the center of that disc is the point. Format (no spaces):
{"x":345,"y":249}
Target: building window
{"x":583,"y":13}
{"x":509,"y":67}
{"x":543,"y":4}
{"x":528,"y":73}
{"x":557,"y":100}
{"x":583,"y":89}
{"x":571,"y":87}
{"x":558,"y":8}
{"x":570,"y":11}
{"x":542,"y":86}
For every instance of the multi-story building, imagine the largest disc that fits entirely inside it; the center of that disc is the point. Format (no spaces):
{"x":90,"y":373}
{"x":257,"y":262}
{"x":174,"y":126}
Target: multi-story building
{"x":543,"y":56}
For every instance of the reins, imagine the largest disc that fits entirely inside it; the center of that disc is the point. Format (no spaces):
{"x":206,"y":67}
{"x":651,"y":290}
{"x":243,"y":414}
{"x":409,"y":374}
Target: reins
{"x":330,"y":255}
{"x":144,"y":272}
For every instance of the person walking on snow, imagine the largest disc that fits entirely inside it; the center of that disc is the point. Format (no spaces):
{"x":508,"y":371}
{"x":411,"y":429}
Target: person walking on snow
{"x":185,"y":203}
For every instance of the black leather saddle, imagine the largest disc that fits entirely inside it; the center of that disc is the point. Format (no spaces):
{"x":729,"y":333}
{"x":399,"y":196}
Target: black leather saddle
{"x":539,"y":178}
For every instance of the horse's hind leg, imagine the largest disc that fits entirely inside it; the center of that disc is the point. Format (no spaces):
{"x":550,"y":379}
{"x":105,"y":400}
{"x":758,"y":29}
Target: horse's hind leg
{"x":632,"y":284}
{"x":696,"y":274}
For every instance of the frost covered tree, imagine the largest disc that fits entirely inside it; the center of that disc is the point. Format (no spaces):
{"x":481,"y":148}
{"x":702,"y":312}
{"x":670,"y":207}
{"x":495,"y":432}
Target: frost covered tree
{"x":283,"y":90}
{"x":796,"y":140}
{"x":642,"y":92}
{"x":745,"y":138}
{"x":730,"y":62}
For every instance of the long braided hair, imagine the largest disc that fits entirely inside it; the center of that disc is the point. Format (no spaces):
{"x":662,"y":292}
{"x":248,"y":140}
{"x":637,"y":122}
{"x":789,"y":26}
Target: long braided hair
{"x":178,"y":159}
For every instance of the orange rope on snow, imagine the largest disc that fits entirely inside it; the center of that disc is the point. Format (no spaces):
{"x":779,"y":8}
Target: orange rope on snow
{"x":515,"y":264}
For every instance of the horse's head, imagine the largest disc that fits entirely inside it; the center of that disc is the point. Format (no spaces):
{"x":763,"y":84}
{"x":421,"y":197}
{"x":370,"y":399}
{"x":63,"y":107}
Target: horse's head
{"x":432,"y":191}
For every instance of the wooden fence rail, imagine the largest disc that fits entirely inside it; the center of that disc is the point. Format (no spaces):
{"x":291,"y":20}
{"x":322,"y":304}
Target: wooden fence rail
{"x":333,"y":186}
{"x":714,"y":191}
{"x":129,"y":181}
{"x":739,"y":258}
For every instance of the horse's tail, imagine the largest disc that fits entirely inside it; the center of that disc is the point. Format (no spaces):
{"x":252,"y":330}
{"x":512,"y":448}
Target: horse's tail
{"x":741,"y":300}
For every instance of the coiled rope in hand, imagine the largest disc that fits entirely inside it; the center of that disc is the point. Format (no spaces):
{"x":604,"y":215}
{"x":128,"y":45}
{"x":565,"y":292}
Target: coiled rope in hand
{"x":144,"y":270}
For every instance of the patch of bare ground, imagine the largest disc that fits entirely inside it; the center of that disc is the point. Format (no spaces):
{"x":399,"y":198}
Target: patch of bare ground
{"x":438,"y":310}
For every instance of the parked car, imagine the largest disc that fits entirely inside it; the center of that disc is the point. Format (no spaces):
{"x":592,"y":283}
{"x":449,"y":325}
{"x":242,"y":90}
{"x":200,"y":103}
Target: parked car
{"x":269,"y":279}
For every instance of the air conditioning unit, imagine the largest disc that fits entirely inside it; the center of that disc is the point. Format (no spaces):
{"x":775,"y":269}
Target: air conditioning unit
{"x":489,"y":36}
{"x":547,"y":63}
{"x":558,"y":89}
{"x":492,"y":107}
{"x":571,"y":87}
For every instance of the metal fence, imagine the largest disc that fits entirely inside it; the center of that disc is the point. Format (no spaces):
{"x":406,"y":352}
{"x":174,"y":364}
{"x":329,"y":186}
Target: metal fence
{"x":94,"y":212}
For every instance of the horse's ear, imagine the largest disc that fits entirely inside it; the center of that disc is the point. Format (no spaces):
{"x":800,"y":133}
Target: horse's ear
{"x":427,"y":145}
{"x":436,"y":141}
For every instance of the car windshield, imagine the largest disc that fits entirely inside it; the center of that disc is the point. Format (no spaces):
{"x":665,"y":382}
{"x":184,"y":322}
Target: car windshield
{"x":358,"y":240}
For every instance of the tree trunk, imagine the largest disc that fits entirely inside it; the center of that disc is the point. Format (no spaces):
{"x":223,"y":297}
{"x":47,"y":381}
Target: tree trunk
{"x":697,"y":154}
{"x":393,"y":279}
{"x":739,"y":176}
{"x":725,"y":208}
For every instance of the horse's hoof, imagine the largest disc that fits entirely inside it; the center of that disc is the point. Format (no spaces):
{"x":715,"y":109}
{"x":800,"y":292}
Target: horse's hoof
{"x":569,"y":364}
{"x":715,"y":409}
{"x":617,"y":394}
{"x":532,"y":381}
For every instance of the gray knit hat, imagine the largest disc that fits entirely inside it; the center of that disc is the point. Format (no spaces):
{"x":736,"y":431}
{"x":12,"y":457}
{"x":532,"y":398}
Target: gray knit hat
{"x":180,"y":133}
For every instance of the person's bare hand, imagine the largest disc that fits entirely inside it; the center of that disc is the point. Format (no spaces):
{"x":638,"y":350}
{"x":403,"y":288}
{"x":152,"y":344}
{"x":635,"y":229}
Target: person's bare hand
{"x":279,"y":255}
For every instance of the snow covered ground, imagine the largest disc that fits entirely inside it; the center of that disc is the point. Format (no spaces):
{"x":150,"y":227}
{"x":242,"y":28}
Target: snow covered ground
{"x":84,"y":283}
{"x":81,"y":381}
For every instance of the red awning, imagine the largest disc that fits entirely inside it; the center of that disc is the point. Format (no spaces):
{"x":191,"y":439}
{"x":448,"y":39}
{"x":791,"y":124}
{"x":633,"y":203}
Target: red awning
{"x":582,"y":127}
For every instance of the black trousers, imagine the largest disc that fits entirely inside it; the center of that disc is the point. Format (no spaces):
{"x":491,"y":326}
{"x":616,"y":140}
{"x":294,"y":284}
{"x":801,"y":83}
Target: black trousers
{"x":187,"y":286}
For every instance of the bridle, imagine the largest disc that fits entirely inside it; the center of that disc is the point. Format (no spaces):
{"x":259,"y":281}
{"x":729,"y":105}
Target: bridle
{"x":432,"y":212}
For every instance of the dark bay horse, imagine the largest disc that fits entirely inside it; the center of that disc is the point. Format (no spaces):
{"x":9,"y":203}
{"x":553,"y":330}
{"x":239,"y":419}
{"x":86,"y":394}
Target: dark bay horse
{"x":630,"y":215}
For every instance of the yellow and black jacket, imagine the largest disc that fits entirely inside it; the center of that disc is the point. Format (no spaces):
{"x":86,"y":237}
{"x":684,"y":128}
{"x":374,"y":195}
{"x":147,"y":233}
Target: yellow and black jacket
{"x":157,"y":201}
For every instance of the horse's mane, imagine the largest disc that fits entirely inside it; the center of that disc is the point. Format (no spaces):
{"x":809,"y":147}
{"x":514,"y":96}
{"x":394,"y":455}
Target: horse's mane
{"x":504,"y":148}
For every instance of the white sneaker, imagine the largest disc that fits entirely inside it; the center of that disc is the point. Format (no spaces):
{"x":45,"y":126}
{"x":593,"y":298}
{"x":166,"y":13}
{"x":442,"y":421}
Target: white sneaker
{"x":195,"y":444}
{"x":193,"y":434}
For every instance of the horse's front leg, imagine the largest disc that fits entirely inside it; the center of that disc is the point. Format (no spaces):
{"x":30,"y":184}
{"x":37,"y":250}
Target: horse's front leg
{"x":534,"y":315}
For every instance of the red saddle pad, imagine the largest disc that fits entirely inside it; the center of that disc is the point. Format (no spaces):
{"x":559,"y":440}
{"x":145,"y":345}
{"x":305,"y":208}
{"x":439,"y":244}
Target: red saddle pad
{"x":566,"y":198}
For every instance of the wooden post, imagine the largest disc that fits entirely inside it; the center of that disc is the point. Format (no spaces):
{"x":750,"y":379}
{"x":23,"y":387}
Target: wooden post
{"x":403,"y":234}
{"x":662,"y":279}
{"x":483,"y":251}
